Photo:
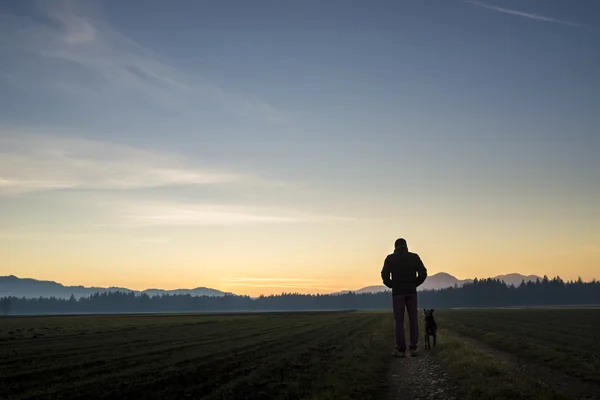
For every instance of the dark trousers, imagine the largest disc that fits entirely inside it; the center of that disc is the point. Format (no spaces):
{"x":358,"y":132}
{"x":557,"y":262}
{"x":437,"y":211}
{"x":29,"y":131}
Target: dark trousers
{"x":400,"y":303}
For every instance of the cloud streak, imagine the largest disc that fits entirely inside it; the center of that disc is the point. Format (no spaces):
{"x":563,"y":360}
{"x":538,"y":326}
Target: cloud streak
{"x":243,"y":279}
{"x":116,"y":64}
{"x":282,"y":283}
{"x":285,"y":286}
{"x":536,"y":17}
{"x":47,"y":163}
{"x":32,"y":163}
{"x":198,"y":215}
{"x":162,"y":214}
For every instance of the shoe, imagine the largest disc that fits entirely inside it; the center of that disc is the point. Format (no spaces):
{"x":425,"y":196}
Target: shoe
{"x":398,"y":353}
{"x":414,"y":352}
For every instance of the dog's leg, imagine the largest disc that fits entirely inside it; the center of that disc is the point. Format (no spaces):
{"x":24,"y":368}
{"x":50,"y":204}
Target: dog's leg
{"x":434,"y":339}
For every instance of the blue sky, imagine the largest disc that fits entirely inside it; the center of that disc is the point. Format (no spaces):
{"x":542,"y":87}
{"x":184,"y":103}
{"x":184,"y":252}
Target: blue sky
{"x":278,"y":123}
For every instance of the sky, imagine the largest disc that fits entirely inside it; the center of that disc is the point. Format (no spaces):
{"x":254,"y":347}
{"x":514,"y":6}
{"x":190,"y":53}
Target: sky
{"x":265,"y":147}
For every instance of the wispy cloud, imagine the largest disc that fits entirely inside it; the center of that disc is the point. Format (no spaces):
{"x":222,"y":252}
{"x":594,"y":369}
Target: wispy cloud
{"x":536,"y":17}
{"x":151,"y":214}
{"x":30,"y":163}
{"x":44,"y":163}
{"x":285,"y":286}
{"x":75,"y":36}
{"x":250,"y":279}
{"x":283,"y":283}
{"x":197,"y":215}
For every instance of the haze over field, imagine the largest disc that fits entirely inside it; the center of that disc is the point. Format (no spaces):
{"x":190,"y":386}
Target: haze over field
{"x":268,"y":146}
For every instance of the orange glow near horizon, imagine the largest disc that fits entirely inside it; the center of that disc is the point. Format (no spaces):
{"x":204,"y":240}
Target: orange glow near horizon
{"x":256,"y":269}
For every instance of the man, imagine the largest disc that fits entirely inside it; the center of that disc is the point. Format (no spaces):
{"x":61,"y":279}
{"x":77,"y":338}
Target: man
{"x":407,"y":273}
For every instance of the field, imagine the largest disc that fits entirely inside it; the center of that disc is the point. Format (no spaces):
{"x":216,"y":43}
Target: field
{"x":253,"y":356}
{"x":481,"y":354}
{"x":523,"y":353}
{"x":564,"y":339}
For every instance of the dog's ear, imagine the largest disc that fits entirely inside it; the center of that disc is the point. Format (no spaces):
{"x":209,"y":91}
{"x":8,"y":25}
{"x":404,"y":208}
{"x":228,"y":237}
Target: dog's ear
{"x":432,"y":310}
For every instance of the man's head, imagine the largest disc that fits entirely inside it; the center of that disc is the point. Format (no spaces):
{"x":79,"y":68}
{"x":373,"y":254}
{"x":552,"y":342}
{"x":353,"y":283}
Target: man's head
{"x":400,"y":243}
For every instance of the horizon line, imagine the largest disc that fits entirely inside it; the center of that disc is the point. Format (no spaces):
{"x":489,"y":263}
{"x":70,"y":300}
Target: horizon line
{"x":335,"y":291}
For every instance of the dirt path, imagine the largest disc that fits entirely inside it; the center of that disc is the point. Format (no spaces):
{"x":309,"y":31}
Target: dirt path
{"x":419,"y":378}
{"x":552,"y":378}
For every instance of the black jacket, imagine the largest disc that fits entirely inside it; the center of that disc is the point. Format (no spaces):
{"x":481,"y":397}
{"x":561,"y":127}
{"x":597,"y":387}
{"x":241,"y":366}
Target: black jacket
{"x":403,"y":271}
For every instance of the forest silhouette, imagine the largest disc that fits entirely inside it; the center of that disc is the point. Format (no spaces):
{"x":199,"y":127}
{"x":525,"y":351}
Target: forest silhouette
{"x":479,"y":293}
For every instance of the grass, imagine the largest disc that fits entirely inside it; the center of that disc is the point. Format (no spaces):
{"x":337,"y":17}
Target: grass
{"x":254,"y":356}
{"x":480,"y":375}
{"x":566,"y":340}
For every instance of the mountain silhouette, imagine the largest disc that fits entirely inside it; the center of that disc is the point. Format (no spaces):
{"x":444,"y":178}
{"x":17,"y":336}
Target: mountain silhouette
{"x":516,"y":279}
{"x":32,"y":288}
{"x":444,"y":280}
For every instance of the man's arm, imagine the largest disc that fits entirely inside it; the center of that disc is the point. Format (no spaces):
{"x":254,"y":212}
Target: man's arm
{"x":421,"y":271}
{"x":385,"y":273}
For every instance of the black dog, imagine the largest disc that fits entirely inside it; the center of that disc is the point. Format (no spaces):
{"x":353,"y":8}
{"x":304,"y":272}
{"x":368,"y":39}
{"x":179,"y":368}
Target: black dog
{"x":430,"y":328}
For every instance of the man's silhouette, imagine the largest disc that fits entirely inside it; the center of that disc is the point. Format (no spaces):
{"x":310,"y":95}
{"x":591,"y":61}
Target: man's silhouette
{"x":403,"y":272}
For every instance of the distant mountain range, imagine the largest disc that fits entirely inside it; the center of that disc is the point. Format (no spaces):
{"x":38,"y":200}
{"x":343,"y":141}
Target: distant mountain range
{"x":443,"y":280}
{"x":26,"y":287}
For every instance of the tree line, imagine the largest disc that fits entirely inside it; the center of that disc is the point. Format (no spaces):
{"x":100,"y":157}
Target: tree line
{"x":479,"y":293}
